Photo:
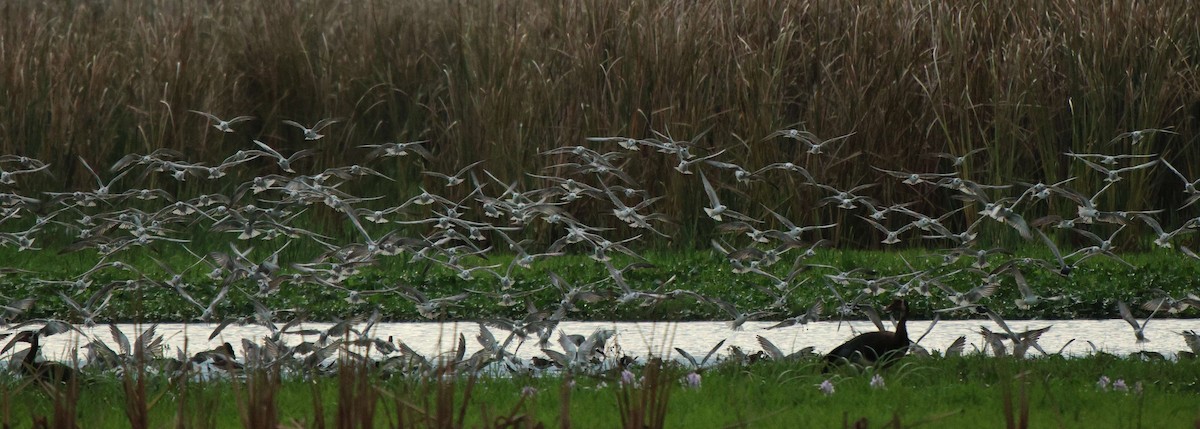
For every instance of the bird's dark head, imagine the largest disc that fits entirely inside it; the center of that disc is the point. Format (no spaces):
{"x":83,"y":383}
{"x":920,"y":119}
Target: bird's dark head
{"x":897,"y":307}
{"x":25,"y":336}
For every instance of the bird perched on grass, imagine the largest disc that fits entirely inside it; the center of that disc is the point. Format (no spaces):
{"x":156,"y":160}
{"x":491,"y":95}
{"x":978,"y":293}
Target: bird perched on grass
{"x":882,"y":348}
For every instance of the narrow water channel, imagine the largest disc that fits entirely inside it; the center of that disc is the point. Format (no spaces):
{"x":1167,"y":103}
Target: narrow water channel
{"x":1073,"y":337}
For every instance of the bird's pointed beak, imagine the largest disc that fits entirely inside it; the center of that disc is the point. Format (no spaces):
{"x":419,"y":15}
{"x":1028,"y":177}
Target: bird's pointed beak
{"x":20,"y":337}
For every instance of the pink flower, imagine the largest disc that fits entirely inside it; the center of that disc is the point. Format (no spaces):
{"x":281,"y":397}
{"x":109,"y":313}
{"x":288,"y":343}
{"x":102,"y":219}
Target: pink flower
{"x":692,"y":380}
{"x":1102,"y":384}
{"x":528,"y":391}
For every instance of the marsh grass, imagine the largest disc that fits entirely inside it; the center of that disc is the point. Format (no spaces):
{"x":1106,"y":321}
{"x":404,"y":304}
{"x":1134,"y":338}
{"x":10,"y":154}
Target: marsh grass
{"x":196,"y":403}
{"x":64,"y":398}
{"x":357,"y":398}
{"x":133,"y":383}
{"x":503,"y":80}
{"x":950,"y":392}
{"x":256,"y":398}
{"x":564,"y":401}
{"x":1016,"y":416}
{"x":5,"y":409}
{"x":643,"y":403}
{"x":443,"y":400}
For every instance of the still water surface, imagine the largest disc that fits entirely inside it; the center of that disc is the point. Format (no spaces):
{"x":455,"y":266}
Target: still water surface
{"x":660,"y":338}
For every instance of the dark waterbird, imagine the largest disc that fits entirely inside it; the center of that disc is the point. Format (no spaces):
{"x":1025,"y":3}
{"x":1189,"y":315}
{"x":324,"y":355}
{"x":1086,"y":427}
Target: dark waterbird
{"x":48,"y":371}
{"x":880,"y":348}
{"x":221,"y":357}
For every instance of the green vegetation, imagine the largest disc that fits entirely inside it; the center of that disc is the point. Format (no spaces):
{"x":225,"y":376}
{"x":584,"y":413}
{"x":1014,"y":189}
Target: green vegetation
{"x":1092,"y":289}
{"x":969,"y":391}
{"x":503,"y":81}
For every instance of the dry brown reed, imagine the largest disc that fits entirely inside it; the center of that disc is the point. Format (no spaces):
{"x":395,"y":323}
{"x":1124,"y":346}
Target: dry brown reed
{"x":1016,"y":416}
{"x":256,"y":399}
{"x":503,"y":80}
{"x":6,"y":411}
{"x":564,"y":401}
{"x":196,"y":402}
{"x":137,"y":405}
{"x":643,"y":403}
{"x":357,"y":396}
{"x":64,"y":398}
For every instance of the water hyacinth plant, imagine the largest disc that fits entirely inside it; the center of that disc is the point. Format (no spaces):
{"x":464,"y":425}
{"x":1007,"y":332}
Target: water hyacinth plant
{"x":826,"y":388}
{"x":529,"y":391}
{"x":877,"y":382}
{"x":692,"y":380}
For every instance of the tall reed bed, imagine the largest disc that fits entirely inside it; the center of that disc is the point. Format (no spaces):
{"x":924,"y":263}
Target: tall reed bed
{"x":503,"y":80}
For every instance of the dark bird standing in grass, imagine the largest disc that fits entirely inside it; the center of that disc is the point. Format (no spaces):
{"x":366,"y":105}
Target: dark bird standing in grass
{"x":881,"y":348}
{"x":48,"y":371}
